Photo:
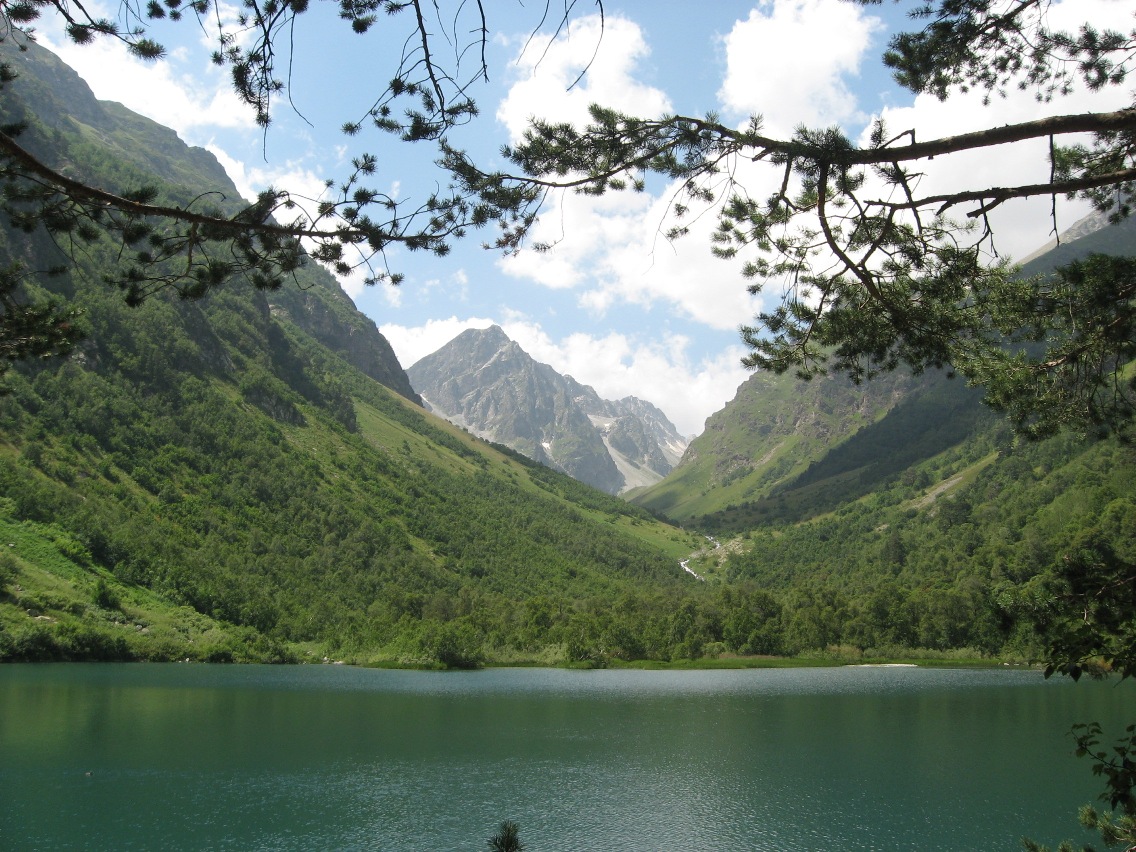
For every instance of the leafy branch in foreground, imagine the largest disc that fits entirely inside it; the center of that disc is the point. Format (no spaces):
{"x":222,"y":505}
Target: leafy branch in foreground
{"x":1117,"y":764}
{"x":193,"y":245}
{"x":507,"y":838}
{"x":1088,"y":616}
{"x":872,"y":273}
{"x":32,"y":331}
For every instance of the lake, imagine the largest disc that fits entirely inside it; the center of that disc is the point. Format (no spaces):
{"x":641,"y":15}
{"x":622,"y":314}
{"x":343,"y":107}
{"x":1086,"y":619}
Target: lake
{"x":147,"y":756}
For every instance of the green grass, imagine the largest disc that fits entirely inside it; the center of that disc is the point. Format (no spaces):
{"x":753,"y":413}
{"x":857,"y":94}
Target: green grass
{"x":57,"y":606}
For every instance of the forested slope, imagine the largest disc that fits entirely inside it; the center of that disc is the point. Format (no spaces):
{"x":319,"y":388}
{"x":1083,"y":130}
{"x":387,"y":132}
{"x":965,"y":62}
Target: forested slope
{"x":785,"y":449}
{"x":243,"y":455}
{"x":248,"y":476}
{"x":901,"y":512}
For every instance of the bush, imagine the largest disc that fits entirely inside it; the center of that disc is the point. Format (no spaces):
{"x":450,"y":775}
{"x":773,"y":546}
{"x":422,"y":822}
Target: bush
{"x":9,"y":568}
{"x":106,"y":597}
{"x":455,"y":644}
{"x":84,"y":642}
{"x":34,"y":643}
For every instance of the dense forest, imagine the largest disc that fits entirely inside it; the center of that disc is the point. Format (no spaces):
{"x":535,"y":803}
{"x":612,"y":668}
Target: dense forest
{"x":248,"y":476}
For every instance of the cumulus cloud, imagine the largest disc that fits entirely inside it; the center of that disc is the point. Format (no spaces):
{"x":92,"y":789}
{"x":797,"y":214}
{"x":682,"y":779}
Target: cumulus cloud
{"x":413,"y":343}
{"x":687,"y":389}
{"x":788,"y":58}
{"x":292,"y":176}
{"x":543,"y":78}
{"x":790,"y":61}
{"x":793,"y":61}
{"x":610,"y":249}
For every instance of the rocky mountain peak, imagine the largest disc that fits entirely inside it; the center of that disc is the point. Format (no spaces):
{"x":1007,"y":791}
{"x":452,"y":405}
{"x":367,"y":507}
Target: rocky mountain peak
{"x":486,"y":383}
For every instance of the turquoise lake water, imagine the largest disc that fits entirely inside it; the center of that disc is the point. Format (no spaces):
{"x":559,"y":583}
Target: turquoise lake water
{"x":143,"y":756}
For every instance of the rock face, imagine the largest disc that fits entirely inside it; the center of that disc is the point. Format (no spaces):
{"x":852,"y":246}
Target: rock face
{"x":483,"y":381}
{"x":327,"y":313}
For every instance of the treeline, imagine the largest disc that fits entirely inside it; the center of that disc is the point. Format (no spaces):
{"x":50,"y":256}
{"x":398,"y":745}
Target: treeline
{"x":963,"y":575}
{"x":972,"y":548}
{"x":236,"y":458}
{"x":298,"y":532}
{"x":214,"y":455}
{"x":226,"y":480}
{"x":108,"y":619}
{"x":203,"y":454}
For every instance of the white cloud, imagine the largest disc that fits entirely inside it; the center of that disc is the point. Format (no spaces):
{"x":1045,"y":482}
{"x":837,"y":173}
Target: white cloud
{"x":610,"y":249}
{"x":789,"y":60}
{"x":543,"y":77}
{"x":391,"y":293}
{"x":615,"y":364}
{"x":1020,"y":226}
{"x":304,"y":184}
{"x":190,"y":102}
{"x":580,"y":229}
{"x":413,"y":343}
{"x":460,"y":281}
{"x":793,"y":60}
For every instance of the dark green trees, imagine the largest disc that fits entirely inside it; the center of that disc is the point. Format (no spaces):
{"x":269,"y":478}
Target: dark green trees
{"x":199,"y":242}
{"x":32,"y":330}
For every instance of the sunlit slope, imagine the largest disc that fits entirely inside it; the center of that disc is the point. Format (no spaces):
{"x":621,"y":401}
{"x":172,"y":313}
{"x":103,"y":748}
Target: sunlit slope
{"x":780,"y":437}
{"x":295,"y":532}
{"x":785,"y":450}
{"x":258,"y":457}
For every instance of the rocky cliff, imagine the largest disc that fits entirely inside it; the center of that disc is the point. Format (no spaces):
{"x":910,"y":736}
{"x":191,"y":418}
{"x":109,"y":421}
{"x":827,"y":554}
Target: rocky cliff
{"x":486,"y":383}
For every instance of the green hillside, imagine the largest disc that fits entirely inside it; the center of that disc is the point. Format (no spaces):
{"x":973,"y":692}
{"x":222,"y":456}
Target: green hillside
{"x":784,"y":449}
{"x":259,"y":458}
{"x":900,"y":513}
{"x":249,"y":476}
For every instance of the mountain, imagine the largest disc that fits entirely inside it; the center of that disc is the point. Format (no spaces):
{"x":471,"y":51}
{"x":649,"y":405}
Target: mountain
{"x":68,"y":123}
{"x":1108,"y":238}
{"x":794,"y":448}
{"x":250,"y":476}
{"x":1093,"y":233}
{"x":785,"y":450}
{"x":484,"y":382}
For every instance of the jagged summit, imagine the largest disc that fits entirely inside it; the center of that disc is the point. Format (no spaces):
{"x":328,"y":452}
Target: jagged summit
{"x":486,"y":383}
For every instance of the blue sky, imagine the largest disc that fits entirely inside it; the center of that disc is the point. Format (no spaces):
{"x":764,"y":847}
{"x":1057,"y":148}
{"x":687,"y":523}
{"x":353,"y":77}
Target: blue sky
{"x":613,"y":304}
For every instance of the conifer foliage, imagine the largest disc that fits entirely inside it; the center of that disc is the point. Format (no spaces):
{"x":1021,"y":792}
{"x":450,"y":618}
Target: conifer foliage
{"x":873,"y":273}
{"x":196,"y":244}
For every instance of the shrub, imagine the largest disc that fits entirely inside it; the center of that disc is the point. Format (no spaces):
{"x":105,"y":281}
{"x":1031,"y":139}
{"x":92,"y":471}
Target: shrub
{"x":9,"y":568}
{"x":34,"y":643}
{"x":455,"y":644}
{"x":106,"y":597}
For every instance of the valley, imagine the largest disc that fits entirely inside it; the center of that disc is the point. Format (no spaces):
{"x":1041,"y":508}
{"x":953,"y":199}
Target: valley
{"x":252,"y":476}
